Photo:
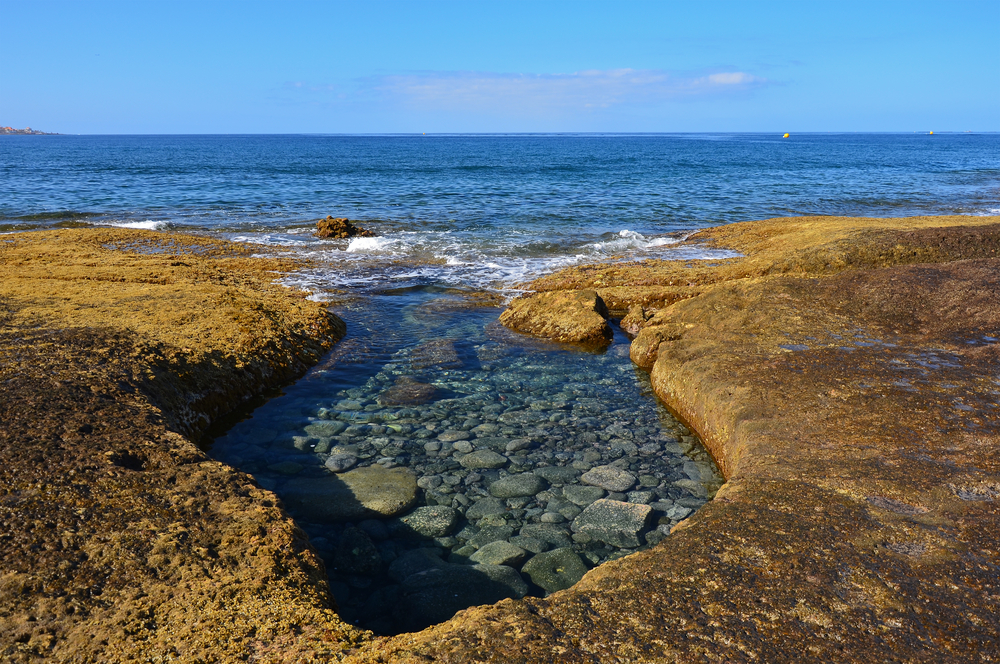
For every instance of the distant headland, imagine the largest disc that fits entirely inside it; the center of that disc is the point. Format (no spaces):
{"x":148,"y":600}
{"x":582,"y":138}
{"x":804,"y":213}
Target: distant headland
{"x":26,"y":130}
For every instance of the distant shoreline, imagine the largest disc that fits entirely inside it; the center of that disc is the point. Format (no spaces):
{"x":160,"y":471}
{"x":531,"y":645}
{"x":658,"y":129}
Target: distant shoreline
{"x":27,"y":131}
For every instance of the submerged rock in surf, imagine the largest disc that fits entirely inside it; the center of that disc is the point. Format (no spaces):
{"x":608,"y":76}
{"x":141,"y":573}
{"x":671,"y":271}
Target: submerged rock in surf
{"x":338,"y":228}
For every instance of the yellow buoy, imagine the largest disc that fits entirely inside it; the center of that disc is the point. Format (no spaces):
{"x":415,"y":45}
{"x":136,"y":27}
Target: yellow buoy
{"x":785,"y":136}
{"x":932,"y":133}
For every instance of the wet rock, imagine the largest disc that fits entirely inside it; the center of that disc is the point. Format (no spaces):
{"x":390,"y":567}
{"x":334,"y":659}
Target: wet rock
{"x":338,"y":463}
{"x":362,"y":493}
{"x":339,"y":228}
{"x":609,"y":478}
{"x":522,"y":484}
{"x":434,"y":595}
{"x":407,"y":393}
{"x":555,"y":570}
{"x":558,"y":474}
{"x":499,"y":553}
{"x":582,"y":495}
{"x":575,"y":316}
{"x":614,"y":522}
{"x":489,"y":534}
{"x":483,"y":459}
{"x":485,"y":506}
{"x":636,"y":319}
{"x":425,"y":523}
{"x":325,"y":428}
{"x":439,"y":353}
{"x":453,"y":436}
{"x":552,"y":534}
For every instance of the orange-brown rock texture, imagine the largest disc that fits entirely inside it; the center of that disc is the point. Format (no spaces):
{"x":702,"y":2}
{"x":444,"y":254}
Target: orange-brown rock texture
{"x":845,"y":374}
{"x":120,"y":539}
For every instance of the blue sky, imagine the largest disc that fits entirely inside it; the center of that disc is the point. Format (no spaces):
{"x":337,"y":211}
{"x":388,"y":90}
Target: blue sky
{"x":372,"y":67}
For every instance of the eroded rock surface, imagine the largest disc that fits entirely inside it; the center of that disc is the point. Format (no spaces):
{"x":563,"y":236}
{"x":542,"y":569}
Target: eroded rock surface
{"x":573,"y":316}
{"x":844,"y":375}
{"x":121,"y":540}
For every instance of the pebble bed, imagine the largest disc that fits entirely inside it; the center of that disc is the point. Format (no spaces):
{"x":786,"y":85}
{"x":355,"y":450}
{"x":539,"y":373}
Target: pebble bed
{"x":462,"y":464}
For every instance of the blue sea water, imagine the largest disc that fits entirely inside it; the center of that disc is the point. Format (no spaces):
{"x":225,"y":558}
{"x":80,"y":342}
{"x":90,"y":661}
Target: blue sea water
{"x":473,"y":213}
{"x":488,"y":210}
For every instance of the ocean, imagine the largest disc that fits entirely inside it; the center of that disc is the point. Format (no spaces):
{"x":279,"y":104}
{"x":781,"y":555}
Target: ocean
{"x":509,"y":440}
{"x":484,"y":211}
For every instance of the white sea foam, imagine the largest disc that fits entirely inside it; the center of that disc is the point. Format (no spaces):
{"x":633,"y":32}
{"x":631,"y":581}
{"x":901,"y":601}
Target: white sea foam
{"x":627,"y":240}
{"x":497,"y":262}
{"x":147,"y":225}
{"x":372,"y":245}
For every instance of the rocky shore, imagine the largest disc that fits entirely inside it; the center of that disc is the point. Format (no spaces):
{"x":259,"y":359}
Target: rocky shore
{"x":844,"y":374}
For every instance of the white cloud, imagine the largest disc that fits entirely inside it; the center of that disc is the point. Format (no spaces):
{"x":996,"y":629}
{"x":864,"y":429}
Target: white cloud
{"x":590,"y":89}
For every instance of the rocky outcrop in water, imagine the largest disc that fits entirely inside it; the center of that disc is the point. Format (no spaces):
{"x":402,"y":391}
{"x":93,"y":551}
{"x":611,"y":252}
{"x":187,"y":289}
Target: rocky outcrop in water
{"x":339,"y":228}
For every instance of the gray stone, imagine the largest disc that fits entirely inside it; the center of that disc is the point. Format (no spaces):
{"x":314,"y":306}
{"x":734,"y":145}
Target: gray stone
{"x":485,"y":507}
{"x":499,"y":553}
{"x":425,"y":523}
{"x":558,"y":474}
{"x":609,"y":478}
{"x":555,"y":570}
{"x":518,"y":444}
{"x":532,"y":544}
{"x":483,"y":459}
{"x":338,"y":463}
{"x":613,"y":522}
{"x":695,"y":488}
{"x":452,"y":436}
{"x":462,"y":446}
{"x":582,"y":495}
{"x":489,"y":534}
{"x":552,"y":517}
{"x":679,"y":512}
{"x":522,"y":484}
{"x":429,"y":482}
{"x":644,"y":497}
{"x":436,"y":594}
{"x":550,"y":533}
{"x":325,"y":429}
{"x":361,"y":493}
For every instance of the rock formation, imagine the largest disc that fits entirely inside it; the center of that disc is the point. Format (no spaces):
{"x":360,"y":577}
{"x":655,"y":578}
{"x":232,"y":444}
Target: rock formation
{"x":338,"y":228}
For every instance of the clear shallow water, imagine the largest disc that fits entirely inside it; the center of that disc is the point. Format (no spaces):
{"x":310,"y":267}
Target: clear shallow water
{"x":427,"y":383}
{"x":473,"y":213}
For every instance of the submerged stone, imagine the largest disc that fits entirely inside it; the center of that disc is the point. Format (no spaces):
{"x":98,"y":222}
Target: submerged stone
{"x":614,"y":522}
{"x":436,"y":594}
{"x":362,"y":493}
{"x":425,"y":523}
{"x":483,"y":459}
{"x":522,"y":484}
{"x":555,"y":570}
{"x":609,"y":478}
{"x":499,"y":553}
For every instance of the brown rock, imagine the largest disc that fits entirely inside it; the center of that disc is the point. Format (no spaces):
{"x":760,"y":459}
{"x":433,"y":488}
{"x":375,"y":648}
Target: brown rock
{"x":339,"y":228}
{"x":407,"y":391}
{"x":437,"y":353}
{"x":574,"y":316}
